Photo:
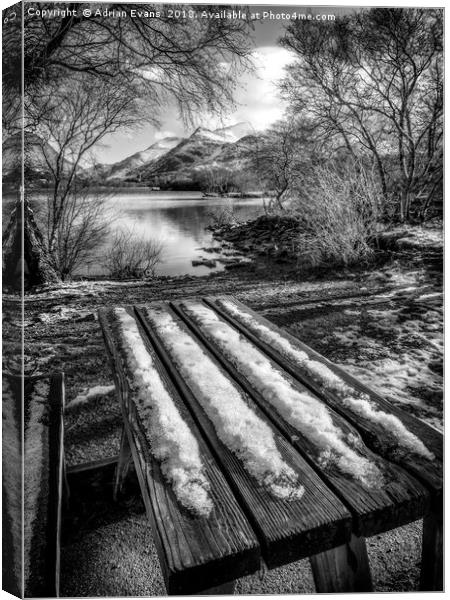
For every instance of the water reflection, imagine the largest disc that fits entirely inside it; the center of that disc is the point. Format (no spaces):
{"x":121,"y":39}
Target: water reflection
{"x":178,"y":220}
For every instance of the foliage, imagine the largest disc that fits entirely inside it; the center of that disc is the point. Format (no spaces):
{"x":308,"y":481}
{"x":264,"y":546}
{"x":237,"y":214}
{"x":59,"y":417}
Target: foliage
{"x":82,"y":227}
{"x":372,"y":83}
{"x":339,"y":212}
{"x":160,"y":57}
{"x":131,"y":258}
{"x":281,"y":158}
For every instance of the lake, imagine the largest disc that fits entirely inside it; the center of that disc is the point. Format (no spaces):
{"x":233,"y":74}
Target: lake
{"x":178,"y":220}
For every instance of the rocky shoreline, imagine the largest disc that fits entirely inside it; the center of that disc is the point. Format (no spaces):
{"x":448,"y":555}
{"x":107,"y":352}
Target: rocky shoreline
{"x":271,"y":236}
{"x":277,"y":239}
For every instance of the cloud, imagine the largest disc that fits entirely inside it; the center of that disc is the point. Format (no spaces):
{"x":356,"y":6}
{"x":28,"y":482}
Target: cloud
{"x":259,"y":99}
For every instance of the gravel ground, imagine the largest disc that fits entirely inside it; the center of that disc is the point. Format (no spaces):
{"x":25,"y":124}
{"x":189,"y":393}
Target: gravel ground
{"x":120,"y":560}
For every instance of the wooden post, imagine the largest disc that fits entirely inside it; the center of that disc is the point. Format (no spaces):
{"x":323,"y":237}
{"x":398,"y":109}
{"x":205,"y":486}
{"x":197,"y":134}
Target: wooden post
{"x":343,"y":569}
{"x":123,"y":464}
{"x":431,"y":576}
{"x":226,"y":589}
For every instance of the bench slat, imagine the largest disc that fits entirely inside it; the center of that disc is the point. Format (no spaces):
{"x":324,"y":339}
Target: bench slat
{"x":376,"y":436}
{"x":195,"y":552}
{"x":400,"y":500}
{"x":288,"y":530}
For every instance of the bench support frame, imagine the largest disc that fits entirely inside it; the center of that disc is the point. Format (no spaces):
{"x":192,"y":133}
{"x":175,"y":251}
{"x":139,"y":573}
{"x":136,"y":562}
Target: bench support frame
{"x":343,"y":569}
{"x":123,"y":464}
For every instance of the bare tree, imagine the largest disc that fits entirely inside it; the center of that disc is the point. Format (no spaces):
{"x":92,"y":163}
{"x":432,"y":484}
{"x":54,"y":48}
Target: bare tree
{"x":191,"y":60}
{"x":88,"y":76}
{"x":77,"y":116}
{"x":372,"y":82}
{"x":216,"y":179}
{"x":278,"y":159}
{"x":83,"y":226}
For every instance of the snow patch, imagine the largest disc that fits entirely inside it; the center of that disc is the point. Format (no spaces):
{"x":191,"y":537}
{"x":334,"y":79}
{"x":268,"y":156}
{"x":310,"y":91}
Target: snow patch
{"x":90,"y":394}
{"x":309,"y":415}
{"x":358,"y":402}
{"x":236,"y":424}
{"x":171,"y":441}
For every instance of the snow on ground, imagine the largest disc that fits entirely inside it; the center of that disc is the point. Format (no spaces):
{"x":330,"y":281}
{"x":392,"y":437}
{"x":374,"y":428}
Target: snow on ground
{"x":361,"y":404}
{"x":398,"y":352}
{"x":236,"y":424}
{"x":63,"y":313}
{"x":422,"y":238}
{"x":304,"y":411}
{"x":171,"y":440}
{"x":93,"y":393}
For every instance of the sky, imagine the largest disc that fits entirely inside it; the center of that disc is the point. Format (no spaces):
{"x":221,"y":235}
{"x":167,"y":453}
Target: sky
{"x":256,"y":97}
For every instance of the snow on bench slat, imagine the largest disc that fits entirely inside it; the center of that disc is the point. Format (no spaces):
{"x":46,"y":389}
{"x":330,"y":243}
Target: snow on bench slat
{"x":171,"y":441}
{"x":236,"y":424}
{"x":358,"y":402}
{"x":306,"y":413}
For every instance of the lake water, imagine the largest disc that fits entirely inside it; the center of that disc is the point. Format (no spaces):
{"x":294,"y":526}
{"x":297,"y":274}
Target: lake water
{"x":178,"y":220}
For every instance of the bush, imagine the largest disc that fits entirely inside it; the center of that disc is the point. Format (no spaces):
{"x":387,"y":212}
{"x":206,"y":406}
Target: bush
{"x":131,"y":258}
{"x":339,"y":213}
{"x":223,"y":215}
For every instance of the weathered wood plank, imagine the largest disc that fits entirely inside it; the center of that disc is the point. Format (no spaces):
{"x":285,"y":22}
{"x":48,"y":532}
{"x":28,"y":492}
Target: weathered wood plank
{"x":288,"y":529}
{"x":397,"y":498}
{"x":375,"y":435}
{"x":195,"y":552}
{"x":344,"y":569}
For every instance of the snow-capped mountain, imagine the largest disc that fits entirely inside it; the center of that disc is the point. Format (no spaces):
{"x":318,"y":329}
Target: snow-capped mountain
{"x":179,"y":161}
{"x":236,"y":132}
{"x":36,"y":167}
{"x":121,"y":169}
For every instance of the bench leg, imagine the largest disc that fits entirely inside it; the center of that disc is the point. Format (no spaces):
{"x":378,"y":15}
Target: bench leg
{"x":431,"y":576}
{"x":226,"y":589}
{"x":123,"y":464}
{"x":343,"y":569}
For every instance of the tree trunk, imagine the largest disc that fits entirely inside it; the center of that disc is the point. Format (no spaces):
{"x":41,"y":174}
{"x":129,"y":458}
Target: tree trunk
{"x":31,"y":260}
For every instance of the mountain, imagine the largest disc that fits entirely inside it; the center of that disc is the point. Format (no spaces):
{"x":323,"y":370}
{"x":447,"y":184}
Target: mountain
{"x":236,"y":132}
{"x":120,"y":169}
{"x":181,"y":163}
{"x":36,"y":168}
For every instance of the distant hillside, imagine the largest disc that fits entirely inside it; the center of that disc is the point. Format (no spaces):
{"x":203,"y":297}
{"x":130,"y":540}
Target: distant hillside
{"x":36,"y":169}
{"x":175,"y":164}
{"x":121,"y":169}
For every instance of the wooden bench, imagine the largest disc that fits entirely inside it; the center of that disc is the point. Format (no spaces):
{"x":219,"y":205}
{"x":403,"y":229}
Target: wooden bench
{"x":354,"y":454}
{"x":42,"y":450}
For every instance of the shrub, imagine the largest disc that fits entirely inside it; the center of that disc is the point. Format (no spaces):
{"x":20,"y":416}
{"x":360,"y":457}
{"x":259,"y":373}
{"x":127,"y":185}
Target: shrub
{"x":223,"y":215}
{"x":339,"y":212}
{"x":131,"y":258}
